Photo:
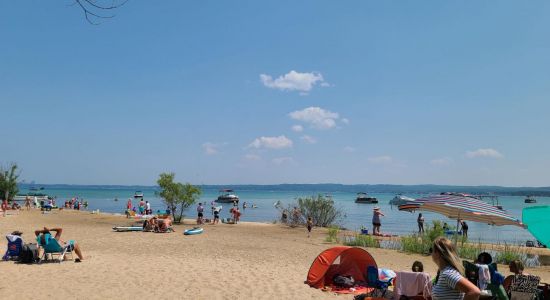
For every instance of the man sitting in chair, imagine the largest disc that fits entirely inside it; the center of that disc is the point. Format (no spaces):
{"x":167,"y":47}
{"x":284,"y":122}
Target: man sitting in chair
{"x":45,"y":235}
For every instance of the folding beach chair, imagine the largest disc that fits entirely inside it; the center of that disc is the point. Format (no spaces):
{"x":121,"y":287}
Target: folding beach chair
{"x":524,"y":287}
{"x":374,"y":282}
{"x":15,"y":244}
{"x":51,"y":246}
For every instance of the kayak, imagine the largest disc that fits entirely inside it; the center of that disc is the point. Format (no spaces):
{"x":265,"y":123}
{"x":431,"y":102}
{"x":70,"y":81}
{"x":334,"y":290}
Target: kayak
{"x":127,"y":228}
{"x":196,"y":230}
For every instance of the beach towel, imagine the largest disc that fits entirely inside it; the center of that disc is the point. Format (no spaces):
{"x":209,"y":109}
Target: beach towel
{"x":484,"y":276}
{"x":412,"y":284}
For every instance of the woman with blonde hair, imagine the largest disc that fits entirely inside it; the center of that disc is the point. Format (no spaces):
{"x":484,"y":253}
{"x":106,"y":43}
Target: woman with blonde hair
{"x":450,"y":282}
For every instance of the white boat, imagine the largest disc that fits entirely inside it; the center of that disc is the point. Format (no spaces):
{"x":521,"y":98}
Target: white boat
{"x":227,"y":196}
{"x":400,"y":200}
{"x":138,"y":194}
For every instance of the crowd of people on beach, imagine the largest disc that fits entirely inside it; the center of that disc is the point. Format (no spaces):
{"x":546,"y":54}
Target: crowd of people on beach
{"x":45,"y":204}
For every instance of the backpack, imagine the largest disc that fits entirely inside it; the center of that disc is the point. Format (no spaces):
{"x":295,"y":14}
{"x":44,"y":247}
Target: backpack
{"x":343,"y":281}
{"x":29,"y":254}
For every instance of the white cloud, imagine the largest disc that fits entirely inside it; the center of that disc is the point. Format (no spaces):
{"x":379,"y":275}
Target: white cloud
{"x":297,"y":128}
{"x":293,"y":81}
{"x":315,"y":116}
{"x":349,"y":149}
{"x":345,"y":121}
{"x":309,"y":139}
{"x":488,"y":152}
{"x":210,"y":148}
{"x":271,"y":142}
{"x":282,"y":160}
{"x":384,"y":159}
{"x":252,"y":157}
{"x":443,"y":161}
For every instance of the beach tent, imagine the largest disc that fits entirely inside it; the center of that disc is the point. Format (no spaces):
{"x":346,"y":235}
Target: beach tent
{"x":460,"y":207}
{"x":538,"y":224}
{"x":341,"y":260}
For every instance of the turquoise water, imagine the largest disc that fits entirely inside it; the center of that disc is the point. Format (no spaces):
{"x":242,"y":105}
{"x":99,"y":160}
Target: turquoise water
{"x":394,"y":222}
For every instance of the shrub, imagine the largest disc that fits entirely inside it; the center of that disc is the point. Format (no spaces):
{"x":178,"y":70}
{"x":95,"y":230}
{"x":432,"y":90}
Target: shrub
{"x":362,"y":240}
{"x":508,"y":254}
{"x":332,"y":236}
{"x":322,"y":210}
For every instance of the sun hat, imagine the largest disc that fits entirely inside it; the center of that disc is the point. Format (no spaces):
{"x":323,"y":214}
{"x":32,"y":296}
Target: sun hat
{"x":376,"y":208}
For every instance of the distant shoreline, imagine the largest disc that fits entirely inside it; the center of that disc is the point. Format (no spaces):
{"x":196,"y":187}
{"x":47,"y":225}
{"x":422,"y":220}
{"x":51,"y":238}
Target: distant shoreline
{"x":333,"y":188}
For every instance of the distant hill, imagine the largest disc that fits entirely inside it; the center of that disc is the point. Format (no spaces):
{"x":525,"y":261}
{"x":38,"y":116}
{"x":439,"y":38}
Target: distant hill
{"x":333,"y":187}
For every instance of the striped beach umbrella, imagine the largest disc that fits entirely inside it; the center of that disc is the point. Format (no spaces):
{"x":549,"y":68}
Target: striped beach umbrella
{"x":460,"y":207}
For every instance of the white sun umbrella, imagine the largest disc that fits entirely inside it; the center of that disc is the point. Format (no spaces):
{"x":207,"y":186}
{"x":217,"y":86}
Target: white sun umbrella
{"x":463,"y":208}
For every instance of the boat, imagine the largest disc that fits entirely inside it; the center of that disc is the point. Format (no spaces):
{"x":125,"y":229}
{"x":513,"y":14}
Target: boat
{"x":530,"y":199}
{"x":400,"y":200}
{"x":138,"y":194}
{"x":227,"y":196}
{"x":39,"y":197}
{"x":364,"y":198}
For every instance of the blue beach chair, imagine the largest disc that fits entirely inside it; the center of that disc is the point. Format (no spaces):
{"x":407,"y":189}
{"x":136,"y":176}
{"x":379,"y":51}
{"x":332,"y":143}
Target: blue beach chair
{"x":374,"y":282}
{"x":52,"y":247}
{"x":15,"y":244}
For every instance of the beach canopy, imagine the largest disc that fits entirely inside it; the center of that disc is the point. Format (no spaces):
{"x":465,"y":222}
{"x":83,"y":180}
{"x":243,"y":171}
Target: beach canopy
{"x":460,"y":207}
{"x":536,"y":220}
{"x":352,"y":261}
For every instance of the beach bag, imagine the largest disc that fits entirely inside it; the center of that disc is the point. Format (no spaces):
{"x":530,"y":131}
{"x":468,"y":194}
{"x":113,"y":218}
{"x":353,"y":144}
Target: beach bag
{"x":343,"y":281}
{"x":29,"y":254}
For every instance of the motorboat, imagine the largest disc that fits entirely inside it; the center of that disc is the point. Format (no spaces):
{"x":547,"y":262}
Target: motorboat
{"x":530,"y":199}
{"x":400,"y":200}
{"x":138,"y":194}
{"x":227,"y":196}
{"x":364,"y":198}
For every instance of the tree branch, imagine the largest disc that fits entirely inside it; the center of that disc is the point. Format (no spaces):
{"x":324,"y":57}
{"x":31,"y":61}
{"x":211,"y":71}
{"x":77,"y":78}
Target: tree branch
{"x":95,"y":10}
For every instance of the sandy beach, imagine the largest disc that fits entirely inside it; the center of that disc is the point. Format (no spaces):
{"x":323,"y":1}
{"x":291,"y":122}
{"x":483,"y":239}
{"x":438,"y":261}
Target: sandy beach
{"x":243,"y":261}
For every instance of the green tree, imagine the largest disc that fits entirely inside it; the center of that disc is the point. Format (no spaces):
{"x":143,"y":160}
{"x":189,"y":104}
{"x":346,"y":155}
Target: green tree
{"x":8,"y":181}
{"x":177,"y":195}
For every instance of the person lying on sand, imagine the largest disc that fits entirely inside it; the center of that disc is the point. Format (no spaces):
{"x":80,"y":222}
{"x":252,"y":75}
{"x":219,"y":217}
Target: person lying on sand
{"x":164,"y":224}
{"x":46,"y":235}
{"x":150,"y":224}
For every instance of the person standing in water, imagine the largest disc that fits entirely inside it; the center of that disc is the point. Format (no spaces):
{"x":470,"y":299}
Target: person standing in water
{"x":420,"y":221}
{"x":376,"y":223}
{"x":464,"y":228}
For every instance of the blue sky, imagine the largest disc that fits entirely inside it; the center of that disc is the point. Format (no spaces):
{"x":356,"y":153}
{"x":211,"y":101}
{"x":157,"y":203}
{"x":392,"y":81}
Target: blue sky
{"x":401,"y":92}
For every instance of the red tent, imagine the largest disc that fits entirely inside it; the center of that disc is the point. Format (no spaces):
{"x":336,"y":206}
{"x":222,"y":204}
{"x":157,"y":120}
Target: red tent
{"x":352,"y":261}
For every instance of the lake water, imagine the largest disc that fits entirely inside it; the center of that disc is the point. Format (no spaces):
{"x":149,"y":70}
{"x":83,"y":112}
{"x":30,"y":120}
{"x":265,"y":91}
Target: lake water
{"x":394,"y":222}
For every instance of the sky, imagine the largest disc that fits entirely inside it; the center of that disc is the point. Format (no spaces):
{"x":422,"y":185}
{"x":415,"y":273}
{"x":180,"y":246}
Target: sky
{"x":268,"y":92}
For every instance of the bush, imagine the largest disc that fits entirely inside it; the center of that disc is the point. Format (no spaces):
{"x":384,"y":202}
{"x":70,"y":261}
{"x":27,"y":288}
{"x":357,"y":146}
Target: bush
{"x":507,"y":255}
{"x":332,"y":236}
{"x":362,"y":240}
{"x":322,"y":211}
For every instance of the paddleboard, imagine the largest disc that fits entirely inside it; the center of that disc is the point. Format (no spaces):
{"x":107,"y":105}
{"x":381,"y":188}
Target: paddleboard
{"x":196,"y":230}
{"x":128,"y":228}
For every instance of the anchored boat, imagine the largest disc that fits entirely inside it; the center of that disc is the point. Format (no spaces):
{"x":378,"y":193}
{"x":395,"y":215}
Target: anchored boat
{"x":364,"y":198}
{"x":227,"y":196}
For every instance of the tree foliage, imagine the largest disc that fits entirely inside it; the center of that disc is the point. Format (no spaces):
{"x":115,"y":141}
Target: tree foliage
{"x":176,"y":195}
{"x":8,"y":181}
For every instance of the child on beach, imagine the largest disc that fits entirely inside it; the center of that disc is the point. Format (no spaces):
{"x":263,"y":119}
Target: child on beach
{"x":309,"y":226}
{"x":417,"y":266}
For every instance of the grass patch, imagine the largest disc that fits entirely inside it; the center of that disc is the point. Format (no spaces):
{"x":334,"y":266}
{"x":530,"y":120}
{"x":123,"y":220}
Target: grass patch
{"x":332,"y":234}
{"x":362,"y":240}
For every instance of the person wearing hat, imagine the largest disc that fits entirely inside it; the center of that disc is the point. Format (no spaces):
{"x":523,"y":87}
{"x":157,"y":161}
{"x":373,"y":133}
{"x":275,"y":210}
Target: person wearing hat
{"x":376,"y":220}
